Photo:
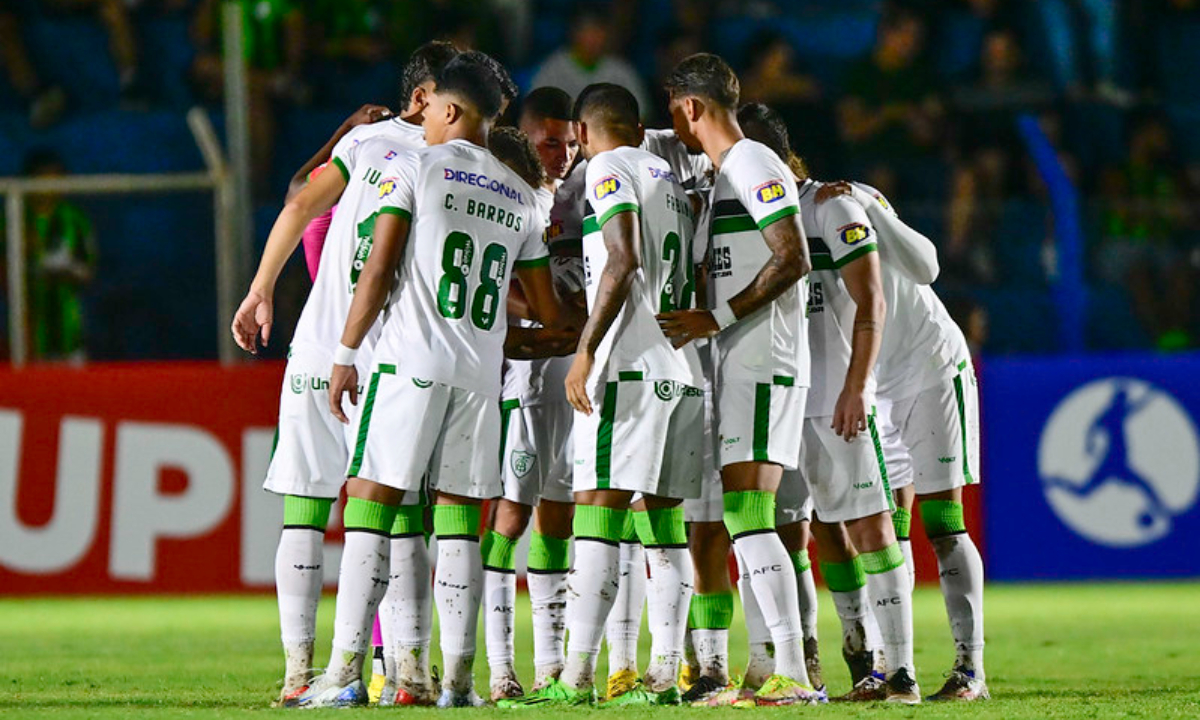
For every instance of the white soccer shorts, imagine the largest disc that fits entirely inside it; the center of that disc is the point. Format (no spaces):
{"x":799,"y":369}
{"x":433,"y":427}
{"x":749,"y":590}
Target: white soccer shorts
{"x":760,"y":422}
{"x":710,"y":506}
{"x":537,"y":452}
{"x":642,"y":436}
{"x":793,"y":501}
{"x":311,"y":446}
{"x":931,"y":440}
{"x":411,"y":427}
{"x":847,"y":480}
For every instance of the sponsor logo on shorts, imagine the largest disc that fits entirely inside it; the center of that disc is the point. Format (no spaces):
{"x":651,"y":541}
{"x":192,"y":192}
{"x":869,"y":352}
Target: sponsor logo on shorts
{"x":769,"y":192}
{"x":298,"y":381}
{"x":853,"y":233}
{"x":522,"y":462}
{"x":606,"y":186}
{"x":301,"y":382}
{"x":729,"y":441}
{"x":864,"y":486}
{"x":422,"y":383}
{"x":666,"y":390}
{"x":946,"y":460}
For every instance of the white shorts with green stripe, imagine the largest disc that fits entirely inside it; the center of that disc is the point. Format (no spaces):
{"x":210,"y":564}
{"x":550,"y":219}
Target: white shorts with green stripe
{"x":311,"y":445}
{"x":760,"y":422}
{"x":642,"y":436}
{"x":536,"y":451}
{"x":847,"y":480}
{"x":710,"y":506}
{"x":931,"y":440}
{"x":410,"y":428}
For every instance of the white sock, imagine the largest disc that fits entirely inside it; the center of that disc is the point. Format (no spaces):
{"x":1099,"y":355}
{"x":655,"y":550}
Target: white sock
{"x":299,"y":575}
{"x":906,"y":548}
{"x":761,"y":663}
{"x":669,"y":591}
{"x":548,"y":601}
{"x":852,"y":609}
{"x":806,"y":588}
{"x":457,"y":587}
{"x":361,"y":584}
{"x":406,"y":615}
{"x":960,"y":572}
{"x":773,"y":580}
{"x":891,"y":598}
{"x":625,"y":621}
{"x":592,"y":587}
{"x":712,"y":652}
{"x":499,"y":604}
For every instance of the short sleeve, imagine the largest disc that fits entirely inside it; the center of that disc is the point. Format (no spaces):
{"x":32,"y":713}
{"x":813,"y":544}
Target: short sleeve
{"x":534,"y":252}
{"x":878,"y":198}
{"x":764,"y":184}
{"x":610,"y":188}
{"x":345,"y":153}
{"x":397,"y":189}
{"x":846,"y":229}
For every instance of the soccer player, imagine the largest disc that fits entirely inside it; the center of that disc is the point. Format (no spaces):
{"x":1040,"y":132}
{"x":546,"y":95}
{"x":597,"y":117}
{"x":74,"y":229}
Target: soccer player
{"x":929,"y":400}
{"x":536,"y":423}
{"x":454,"y":223}
{"x":757,"y":262}
{"x":308,"y":464}
{"x":643,"y":434}
{"x":842,"y":460}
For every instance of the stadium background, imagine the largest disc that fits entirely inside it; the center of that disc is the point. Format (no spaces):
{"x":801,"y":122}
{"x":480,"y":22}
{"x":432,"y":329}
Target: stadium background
{"x":138,"y":470}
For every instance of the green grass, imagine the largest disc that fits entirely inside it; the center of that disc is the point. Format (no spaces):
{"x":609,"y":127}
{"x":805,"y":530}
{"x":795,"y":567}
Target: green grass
{"x":1054,"y":651}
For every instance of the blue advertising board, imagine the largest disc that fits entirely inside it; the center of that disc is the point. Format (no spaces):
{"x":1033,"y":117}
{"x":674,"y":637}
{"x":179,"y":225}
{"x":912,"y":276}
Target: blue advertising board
{"x":1092,"y":467}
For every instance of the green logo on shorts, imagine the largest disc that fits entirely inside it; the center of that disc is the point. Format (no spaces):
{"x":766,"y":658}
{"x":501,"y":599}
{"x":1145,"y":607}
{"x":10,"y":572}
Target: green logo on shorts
{"x":522,"y":462}
{"x":298,"y":382}
{"x":422,"y":383}
{"x":664,"y":389}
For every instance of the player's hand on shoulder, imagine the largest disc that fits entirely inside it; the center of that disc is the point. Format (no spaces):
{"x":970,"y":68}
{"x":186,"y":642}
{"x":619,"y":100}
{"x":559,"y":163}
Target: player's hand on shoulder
{"x":254,"y":315}
{"x":343,"y":379}
{"x":850,"y":414}
{"x":684,"y":326}
{"x":368,"y":114}
{"x":576,"y":382}
{"x":830,"y":190}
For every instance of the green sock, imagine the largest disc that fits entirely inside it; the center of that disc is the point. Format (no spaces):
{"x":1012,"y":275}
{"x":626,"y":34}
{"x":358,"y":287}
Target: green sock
{"x":306,"y":512}
{"x":800,"y":561}
{"x":881,"y":561}
{"x":713,"y":611}
{"x":456,"y":521}
{"x":749,"y":511}
{"x":369,"y":516}
{"x":663,"y":527}
{"x":902,"y":522}
{"x":409,"y":522}
{"x":548,"y":554}
{"x":499,"y":552}
{"x":942,"y":517}
{"x":844,"y":576}
{"x":629,"y":533}
{"x":599,"y":523}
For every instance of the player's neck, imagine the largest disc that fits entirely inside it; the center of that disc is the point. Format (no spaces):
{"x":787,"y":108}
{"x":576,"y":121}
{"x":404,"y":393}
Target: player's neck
{"x":718,"y":135}
{"x":474,"y":134}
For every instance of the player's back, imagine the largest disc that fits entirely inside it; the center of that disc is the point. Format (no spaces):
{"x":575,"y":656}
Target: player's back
{"x":472,"y":221}
{"x":360,"y":156}
{"x":631,"y":179}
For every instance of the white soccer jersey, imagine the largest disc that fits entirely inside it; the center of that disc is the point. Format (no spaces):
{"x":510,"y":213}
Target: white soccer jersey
{"x":692,"y":169}
{"x":630,"y":179}
{"x":922,"y":345}
{"x":753,"y":189}
{"x":473,"y":221}
{"x":360,"y":156}
{"x":838,"y":233}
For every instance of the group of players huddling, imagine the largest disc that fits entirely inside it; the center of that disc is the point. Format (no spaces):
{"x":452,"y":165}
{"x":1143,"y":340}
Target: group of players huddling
{"x":757,"y":360}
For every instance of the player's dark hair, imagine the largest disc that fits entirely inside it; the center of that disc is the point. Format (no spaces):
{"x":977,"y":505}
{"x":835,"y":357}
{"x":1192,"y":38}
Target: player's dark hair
{"x":610,"y":106}
{"x":707,"y":77}
{"x":423,"y":66}
{"x":508,"y":88}
{"x":472,"y":78}
{"x":762,"y":124}
{"x":548,"y":103}
{"x":512,"y":147}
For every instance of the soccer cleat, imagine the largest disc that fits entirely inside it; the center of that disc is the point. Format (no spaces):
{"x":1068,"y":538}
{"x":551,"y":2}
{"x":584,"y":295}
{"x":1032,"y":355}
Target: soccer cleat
{"x":902,"y":688}
{"x":556,"y":693}
{"x":702,"y":690}
{"x":453,"y":699}
{"x":735,"y":694}
{"x":620,"y":683}
{"x":812,"y":663}
{"x":506,"y":687}
{"x":414,"y":694}
{"x":962,"y":686}
{"x":288,"y":697}
{"x":782,"y":690}
{"x":325,"y":694}
{"x":872,"y":688}
{"x":860,"y":664}
{"x":639,"y":695}
{"x":688,"y":675}
{"x":546,"y":675}
{"x":375,"y":687}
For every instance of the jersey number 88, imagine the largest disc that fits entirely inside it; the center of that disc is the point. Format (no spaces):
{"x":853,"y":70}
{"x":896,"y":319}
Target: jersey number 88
{"x":458,"y":255}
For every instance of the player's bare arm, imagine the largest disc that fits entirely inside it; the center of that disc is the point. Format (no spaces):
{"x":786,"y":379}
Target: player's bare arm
{"x":789,"y":262}
{"x":364,"y":115}
{"x":862,"y":280}
{"x":256,"y":313}
{"x":374,"y":283}
{"x":524,"y":343}
{"x":621,"y":239}
{"x":545,"y":305}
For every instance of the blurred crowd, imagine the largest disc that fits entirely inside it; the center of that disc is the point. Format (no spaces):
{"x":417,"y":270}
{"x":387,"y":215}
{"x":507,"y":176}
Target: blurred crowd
{"x":919,"y":98}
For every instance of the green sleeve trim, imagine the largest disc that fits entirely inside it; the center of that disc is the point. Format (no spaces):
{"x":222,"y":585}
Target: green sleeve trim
{"x":543,"y":261}
{"x":392,"y":210}
{"x":342,"y":166}
{"x":778,"y":215}
{"x":859,"y":252}
{"x":616,"y":210}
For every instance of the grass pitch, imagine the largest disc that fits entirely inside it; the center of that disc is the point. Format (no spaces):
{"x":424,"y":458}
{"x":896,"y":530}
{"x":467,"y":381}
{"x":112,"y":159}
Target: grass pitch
{"x":1054,"y":651}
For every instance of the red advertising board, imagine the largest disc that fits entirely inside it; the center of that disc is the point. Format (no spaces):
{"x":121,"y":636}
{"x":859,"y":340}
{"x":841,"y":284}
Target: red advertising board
{"x":147,"y":478}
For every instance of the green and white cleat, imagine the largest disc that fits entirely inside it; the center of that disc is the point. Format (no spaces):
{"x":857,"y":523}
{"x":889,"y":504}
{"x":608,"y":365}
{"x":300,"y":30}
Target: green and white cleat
{"x":782,"y":690}
{"x":555,"y":694}
{"x":639,"y":695}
